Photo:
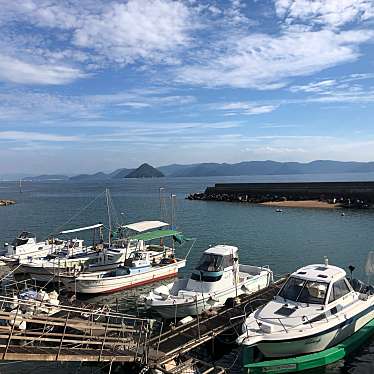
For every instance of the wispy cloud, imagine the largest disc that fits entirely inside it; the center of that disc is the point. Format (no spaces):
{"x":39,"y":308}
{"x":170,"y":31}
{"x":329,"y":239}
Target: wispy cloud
{"x":26,"y":136}
{"x":14,"y":70}
{"x":264,"y":61}
{"x":247,"y":108}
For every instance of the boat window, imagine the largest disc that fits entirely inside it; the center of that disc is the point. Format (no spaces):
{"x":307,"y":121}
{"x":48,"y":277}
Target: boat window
{"x":206,"y":278}
{"x":19,"y":241}
{"x":338,"y":290}
{"x":210,"y":262}
{"x":313,"y":293}
{"x":304,"y":291}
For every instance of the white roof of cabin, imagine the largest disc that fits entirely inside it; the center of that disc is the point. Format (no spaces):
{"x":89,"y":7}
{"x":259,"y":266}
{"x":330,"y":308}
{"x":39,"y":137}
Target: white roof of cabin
{"x":320,"y":273}
{"x":223,"y":250}
{"x":146,"y":225}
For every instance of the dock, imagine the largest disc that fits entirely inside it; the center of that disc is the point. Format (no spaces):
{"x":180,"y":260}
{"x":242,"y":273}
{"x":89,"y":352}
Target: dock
{"x":78,"y":334}
{"x":347,"y":194}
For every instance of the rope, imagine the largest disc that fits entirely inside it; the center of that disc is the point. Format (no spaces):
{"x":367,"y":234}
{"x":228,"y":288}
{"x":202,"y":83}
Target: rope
{"x":12,"y":271}
{"x":57,"y":229}
{"x":194,"y":241}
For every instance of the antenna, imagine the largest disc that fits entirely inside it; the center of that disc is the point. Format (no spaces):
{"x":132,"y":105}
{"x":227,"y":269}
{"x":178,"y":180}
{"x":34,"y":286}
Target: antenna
{"x":161,"y":189}
{"x":173,"y":221}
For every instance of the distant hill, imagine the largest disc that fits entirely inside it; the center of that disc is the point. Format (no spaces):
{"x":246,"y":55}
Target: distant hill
{"x":215,"y":169}
{"x":174,"y":169}
{"x":145,"y":171}
{"x":272,"y":168}
{"x":87,"y":177}
{"x":120,"y":173}
{"x":46,"y":177}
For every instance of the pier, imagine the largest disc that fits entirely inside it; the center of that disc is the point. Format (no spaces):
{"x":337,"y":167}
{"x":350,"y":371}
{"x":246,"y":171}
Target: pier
{"x":346,"y":194}
{"x":79,"y":334}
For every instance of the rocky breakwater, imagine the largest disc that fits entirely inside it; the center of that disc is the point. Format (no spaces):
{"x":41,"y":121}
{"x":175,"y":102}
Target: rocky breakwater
{"x":6,"y":202}
{"x":357,"y":195}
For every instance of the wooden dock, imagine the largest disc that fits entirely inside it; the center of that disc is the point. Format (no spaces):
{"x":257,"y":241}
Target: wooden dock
{"x":76,"y":334}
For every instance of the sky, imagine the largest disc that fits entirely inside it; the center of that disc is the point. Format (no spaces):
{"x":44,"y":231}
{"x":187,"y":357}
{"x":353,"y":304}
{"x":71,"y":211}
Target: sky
{"x":88,"y":85}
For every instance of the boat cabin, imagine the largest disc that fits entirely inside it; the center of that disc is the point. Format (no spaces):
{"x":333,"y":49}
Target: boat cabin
{"x":21,"y":244}
{"x":214,"y":263}
{"x":316,"y":284}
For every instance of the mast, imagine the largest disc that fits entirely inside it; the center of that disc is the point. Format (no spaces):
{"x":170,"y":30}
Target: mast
{"x":161,"y":189}
{"x":172,"y":221}
{"x":109,"y":217}
{"x":20,"y":185}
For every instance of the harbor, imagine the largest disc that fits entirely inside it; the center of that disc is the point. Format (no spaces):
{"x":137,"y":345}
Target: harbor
{"x":127,"y":334}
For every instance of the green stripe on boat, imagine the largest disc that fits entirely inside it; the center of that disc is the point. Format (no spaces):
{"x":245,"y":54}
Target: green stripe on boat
{"x":310,"y":361}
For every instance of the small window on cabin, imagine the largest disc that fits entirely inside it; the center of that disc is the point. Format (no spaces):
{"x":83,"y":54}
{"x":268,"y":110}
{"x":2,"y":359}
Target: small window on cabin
{"x":339,"y":289}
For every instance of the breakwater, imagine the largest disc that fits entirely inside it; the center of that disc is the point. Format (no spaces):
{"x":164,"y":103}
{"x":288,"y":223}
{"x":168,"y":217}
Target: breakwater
{"x":345,"y":194}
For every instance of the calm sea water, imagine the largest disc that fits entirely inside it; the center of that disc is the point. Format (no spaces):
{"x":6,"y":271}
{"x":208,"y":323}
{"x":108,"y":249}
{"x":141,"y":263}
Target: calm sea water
{"x":284,"y":241}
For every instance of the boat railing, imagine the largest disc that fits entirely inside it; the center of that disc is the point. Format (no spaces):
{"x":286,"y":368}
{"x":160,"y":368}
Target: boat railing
{"x":304,"y":320}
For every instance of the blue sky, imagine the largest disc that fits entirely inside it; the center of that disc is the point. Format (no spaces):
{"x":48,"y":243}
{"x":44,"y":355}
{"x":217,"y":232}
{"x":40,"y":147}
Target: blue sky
{"x":97,"y":85}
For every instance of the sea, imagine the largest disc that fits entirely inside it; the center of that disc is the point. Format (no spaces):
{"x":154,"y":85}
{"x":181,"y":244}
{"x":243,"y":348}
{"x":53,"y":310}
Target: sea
{"x":285,"y":241}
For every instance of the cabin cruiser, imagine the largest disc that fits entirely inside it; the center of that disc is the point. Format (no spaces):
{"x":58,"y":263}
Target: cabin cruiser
{"x":217,"y":277}
{"x":139,"y":269}
{"x":25,"y":246}
{"x":316,"y":309}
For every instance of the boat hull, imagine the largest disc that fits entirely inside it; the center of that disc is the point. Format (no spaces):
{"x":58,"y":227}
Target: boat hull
{"x":318,"y":342}
{"x":92,"y":285}
{"x":170,"y":309}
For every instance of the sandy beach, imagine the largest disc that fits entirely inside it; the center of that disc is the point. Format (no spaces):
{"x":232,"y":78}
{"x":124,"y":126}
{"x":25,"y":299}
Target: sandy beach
{"x":301,"y":204}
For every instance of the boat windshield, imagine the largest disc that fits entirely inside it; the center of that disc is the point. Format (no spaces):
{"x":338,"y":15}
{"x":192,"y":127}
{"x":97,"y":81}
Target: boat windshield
{"x":304,"y":291}
{"x":210,"y":262}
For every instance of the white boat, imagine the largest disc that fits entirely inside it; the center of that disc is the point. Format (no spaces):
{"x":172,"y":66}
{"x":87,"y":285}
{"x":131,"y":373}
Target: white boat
{"x":77,"y":257}
{"x":140,"y":269}
{"x":316,"y":309}
{"x":218,"y":276}
{"x":71,"y":257}
{"x":25,"y":246}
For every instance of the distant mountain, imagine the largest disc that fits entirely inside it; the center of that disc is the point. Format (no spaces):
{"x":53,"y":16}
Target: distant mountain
{"x":88,"y":177}
{"x":272,"y":168}
{"x":215,"y":169}
{"x":173,"y":169}
{"x":46,"y":177}
{"x":145,"y":171}
{"x":120,"y":173}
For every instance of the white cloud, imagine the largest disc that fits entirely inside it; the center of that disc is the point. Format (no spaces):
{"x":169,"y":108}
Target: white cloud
{"x":142,"y":29}
{"x":36,"y":136}
{"x":247,"y":108}
{"x":333,"y":13}
{"x":14,"y":70}
{"x":263,"y":61}
{"x":346,"y":89}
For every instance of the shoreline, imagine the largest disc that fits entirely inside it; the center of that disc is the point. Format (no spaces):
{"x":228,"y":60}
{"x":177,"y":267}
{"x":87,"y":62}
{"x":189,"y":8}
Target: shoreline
{"x":301,"y":204}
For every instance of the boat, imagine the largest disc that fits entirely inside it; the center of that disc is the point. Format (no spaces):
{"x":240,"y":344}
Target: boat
{"x":69,"y":258}
{"x":218,"y":277}
{"x":25,"y":246}
{"x":316,"y":309}
{"x":139,"y":269}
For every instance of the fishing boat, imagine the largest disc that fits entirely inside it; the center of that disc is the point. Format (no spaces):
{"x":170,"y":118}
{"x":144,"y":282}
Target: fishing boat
{"x":72,"y":256}
{"x":218,"y":277}
{"x":26,"y":246}
{"x":139,"y":269}
{"x":143,"y":265}
{"x":317,"y":308}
